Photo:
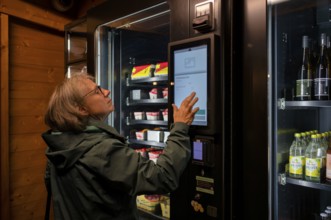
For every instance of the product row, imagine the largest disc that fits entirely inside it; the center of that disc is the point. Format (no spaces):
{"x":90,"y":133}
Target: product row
{"x":313,"y":80}
{"x":310,"y":156}
{"x":150,"y":115}
{"x":149,"y":70}
{"x":326,"y":214}
{"x":155,"y":93}
{"x":157,"y":204}
{"x":150,"y":135}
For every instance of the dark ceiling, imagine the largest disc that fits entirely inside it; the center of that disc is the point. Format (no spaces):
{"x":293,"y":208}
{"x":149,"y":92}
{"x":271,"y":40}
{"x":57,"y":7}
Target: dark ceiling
{"x":69,"y":8}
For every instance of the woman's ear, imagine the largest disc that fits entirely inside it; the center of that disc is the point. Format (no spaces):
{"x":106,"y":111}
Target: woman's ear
{"x":82,"y":110}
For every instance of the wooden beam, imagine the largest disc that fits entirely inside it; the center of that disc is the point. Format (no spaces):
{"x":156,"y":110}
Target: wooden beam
{"x":4,"y":114}
{"x":29,"y":12}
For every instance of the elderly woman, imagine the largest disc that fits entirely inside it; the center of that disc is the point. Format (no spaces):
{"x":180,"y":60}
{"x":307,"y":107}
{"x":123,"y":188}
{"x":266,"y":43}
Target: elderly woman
{"x":93,"y":172}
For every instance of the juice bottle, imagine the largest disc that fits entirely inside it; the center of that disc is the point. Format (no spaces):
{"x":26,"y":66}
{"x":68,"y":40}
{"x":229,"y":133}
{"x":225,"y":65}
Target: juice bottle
{"x":297,"y":158}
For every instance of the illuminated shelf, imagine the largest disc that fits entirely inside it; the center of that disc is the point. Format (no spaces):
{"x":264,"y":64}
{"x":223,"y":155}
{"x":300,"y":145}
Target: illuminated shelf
{"x":282,"y":104}
{"x":149,"y":80}
{"x":315,"y":185}
{"x":150,"y":215}
{"x":149,"y":143}
{"x":146,"y":122}
{"x":146,"y":102}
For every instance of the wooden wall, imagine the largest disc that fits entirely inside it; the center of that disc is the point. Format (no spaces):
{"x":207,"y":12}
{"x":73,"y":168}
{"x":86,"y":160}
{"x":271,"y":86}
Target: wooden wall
{"x":32,"y":63}
{"x":37,"y":65}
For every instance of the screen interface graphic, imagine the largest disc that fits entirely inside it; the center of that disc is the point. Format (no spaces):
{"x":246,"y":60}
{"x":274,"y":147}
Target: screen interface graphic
{"x":190,"y":74}
{"x":197,"y":151}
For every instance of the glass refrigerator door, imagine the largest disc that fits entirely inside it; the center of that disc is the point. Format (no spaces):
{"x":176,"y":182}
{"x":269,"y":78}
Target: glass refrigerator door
{"x":132,"y":64}
{"x":299,"y":103}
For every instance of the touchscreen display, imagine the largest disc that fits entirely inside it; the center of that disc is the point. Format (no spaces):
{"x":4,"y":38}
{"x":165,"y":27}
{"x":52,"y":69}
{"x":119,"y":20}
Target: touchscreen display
{"x":190,"y":74}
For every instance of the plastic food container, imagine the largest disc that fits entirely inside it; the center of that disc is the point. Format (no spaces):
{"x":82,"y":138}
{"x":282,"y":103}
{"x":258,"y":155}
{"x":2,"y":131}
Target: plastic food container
{"x":165,"y":136}
{"x":138,"y":94}
{"x":153,"y":155}
{"x":161,"y":69}
{"x":152,"y":115}
{"x":165,"y":208}
{"x":143,"y":71}
{"x":140,"y":135}
{"x":165,"y":115}
{"x":165,"y":93}
{"x":153,"y":94}
{"x":138,"y":115}
{"x":153,"y":135}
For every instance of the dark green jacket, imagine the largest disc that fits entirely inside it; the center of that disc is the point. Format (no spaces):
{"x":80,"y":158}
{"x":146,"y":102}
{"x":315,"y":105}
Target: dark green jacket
{"x":95,"y":175}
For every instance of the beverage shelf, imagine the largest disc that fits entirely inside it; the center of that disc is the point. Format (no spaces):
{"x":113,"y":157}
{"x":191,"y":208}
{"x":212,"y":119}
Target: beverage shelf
{"x":146,"y":215}
{"x":146,"y":102}
{"x":149,"y":143}
{"x":282,"y":104}
{"x":148,"y":80}
{"x":146,"y":122}
{"x":321,"y":186}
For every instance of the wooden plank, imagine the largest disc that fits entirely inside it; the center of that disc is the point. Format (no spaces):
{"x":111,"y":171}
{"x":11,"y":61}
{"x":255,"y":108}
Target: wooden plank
{"x":27,"y":107}
{"x":27,"y":125}
{"x":27,"y":194}
{"x":40,"y":57}
{"x":31,"y":86}
{"x":26,"y":142}
{"x":27,"y":159}
{"x":24,"y":94}
{"x":36,"y":73}
{"x":4,"y":114}
{"x":29,"y":40}
{"x":27,"y":176}
{"x":32,"y":91}
{"x":33,"y":210}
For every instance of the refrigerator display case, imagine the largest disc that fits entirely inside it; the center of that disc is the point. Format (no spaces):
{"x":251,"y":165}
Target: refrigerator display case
{"x":289,"y":113}
{"x":131,"y":62}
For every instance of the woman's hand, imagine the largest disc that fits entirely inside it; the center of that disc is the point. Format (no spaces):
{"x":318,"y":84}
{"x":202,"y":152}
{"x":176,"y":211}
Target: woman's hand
{"x":185,"y":113}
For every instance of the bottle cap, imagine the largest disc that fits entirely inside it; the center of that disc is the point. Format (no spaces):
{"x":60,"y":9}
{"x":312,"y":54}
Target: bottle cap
{"x":323,"y":214}
{"x":305,"y":41}
{"x":323,"y":39}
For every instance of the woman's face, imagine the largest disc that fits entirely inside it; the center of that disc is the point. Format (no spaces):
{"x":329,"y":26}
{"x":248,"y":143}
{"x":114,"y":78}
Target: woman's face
{"x":96,"y":101}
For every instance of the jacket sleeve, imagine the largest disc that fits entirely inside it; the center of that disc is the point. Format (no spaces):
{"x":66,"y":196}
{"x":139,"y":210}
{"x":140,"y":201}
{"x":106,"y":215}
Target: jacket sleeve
{"x":122,"y":168}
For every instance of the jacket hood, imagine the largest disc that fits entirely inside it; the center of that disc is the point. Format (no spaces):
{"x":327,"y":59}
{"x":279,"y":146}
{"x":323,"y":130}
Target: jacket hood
{"x":65,"y":148}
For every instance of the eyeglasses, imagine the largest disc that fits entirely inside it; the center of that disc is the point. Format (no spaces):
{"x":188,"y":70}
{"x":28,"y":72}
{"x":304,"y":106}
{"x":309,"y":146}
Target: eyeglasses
{"x":97,"y":90}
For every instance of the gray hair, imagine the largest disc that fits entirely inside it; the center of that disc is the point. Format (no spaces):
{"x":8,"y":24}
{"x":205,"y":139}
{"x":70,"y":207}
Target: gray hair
{"x":62,"y":113}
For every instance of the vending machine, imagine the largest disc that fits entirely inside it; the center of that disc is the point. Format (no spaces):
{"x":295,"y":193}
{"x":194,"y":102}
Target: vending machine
{"x":151,"y":54}
{"x":282,"y":91}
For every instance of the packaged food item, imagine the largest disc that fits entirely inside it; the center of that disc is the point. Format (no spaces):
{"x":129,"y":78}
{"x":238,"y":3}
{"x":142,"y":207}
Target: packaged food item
{"x":152,"y":115}
{"x":153,"y":155}
{"x":165,"y":208}
{"x":141,"y":72}
{"x":153,"y":135}
{"x":138,"y":115}
{"x":138,"y":94}
{"x":148,"y":202}
{"x":141,"y":135}
{"x":165,"y":115}
{"x":161,"y":69}
{"x":165,"y":136}
{"x":165,"y":93}
{"x":153,"y":94}
{"x":142,"y":151}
